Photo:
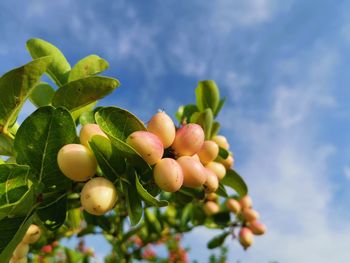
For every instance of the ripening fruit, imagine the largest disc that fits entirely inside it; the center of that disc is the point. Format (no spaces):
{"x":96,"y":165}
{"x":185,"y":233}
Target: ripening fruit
{"x":246,"y":202}
{"x":162,"y":126}
{"x":32,"y":235}
{"x":257,"y":227}
{"x":217,"y":168}
{"x":193,"y":171}
{"x":46,"y":249}
{"x":233,"y":205}
{"x":211,"y":208}
{"x":88,"y":131}
{"x":98,"y":196}
{"x":212,"y":182}
{"x":77,"y":162}
{"x":148,"y":145}
{"x":18,"y":260}
{"x":250,"y":215}
{"x":221,"y":141}
{"x":168,"y":175}
{"x":21,"y":250}
{"x":188,"y":140}
{"x":212,"y":197}
{"x":246,"y":237}
{"x":228,"y":162}
{"x":208,"y":152}
{"x":196,"y":157}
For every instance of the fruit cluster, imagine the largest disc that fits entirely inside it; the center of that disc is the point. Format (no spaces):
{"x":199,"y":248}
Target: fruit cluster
{"x":32,"y":235}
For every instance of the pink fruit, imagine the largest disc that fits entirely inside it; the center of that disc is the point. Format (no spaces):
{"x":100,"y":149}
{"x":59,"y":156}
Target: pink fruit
{"x":212,"y":182}
{"x":162,"y":126}
{"x":193,"y":171}
{"x":233,"y":205}
{"x":188,"y":139}
{"x":168,"y":175}
{"x":217,"y":168}
{"x":246,"y":202}
{"x":88,"y":131}
{"x":250,"y":214}
{"x":208,"y":152}
{"x":211,"y":208}
{"x":246,"y":237}
{"x":221,"y":141}
{"x":257,"y":227}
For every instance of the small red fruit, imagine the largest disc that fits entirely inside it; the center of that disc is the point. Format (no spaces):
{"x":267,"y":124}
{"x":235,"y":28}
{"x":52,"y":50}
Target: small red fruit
{"x":188,"y":140}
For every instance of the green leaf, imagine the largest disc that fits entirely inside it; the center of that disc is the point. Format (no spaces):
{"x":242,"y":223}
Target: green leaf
{"x":223,"y":153}
{"x":38,"y":141}
{"x":197,"y":193}
{"x":185,"y":112}
{"x":59,"y":68}
{"x":15,"y":87}
{"x":235,"y":181}
{"x":72,"y":256}
{"x":219,"y":107}
{"x":6,"y":145}
{"x":82,"y":92}
{"x":54,"y":215}
{"x":147,"y":196}
{"x":215,"y":129}
{"x":42,"y":94}
{"x":205,"y":120}
{"x":186,"y":214}
{"x":87,"y":117}
{"x":88,"y":66}
{"x":222,"y":218}
{"x":2,"y":161}
{"x":87,"y":108}
{"x":108,"y":158}
{"x":16,"y":191}
{"x":133,"y":201}
{"x":217,"y":240}
{"x":152,"y":221}
{"x":207,"y":95}
{"x":221,"y":190}
{"x":100,"y":221}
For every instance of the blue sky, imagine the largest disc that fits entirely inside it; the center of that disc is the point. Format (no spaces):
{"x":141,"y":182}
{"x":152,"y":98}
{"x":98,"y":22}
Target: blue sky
{"x":283,"y":66}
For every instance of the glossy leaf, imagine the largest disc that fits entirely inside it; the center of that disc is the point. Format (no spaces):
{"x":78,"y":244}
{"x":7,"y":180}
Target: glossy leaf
{"x":81,"y":92}
{"x":147,"y":197}
{"x":133,"y":201}
{"x":235,"y":181}
{"x":42,"y":94}
{"x":185,"y":112}
{"x":215,"y":129}
{"x":219,"y":107}
{"x":207,"y":95}
{"x":54,"y":215}
{"x":221,"y":190}
{"x":223,"y":153}
{"x":15,"y":87}
{"x":218,"y":240}
{"x":221,"y":218}
{"x":59,"y":68}
{"x":6,"y":145}
{"x":87,"y":66}
{"x":186,"y":214}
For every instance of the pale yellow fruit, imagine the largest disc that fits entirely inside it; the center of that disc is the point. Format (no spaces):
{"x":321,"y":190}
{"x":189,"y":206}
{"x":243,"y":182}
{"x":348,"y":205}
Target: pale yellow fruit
{"x":188,"y":140}
{"x":168,"y":175}
{"x":77,"y":162}
{"x":148,"y":145}
{"x":250,"y":214}
{"x":162,"y":126}
{"x":257,"y":227}
{"x":246,"y":202}
{"x":88,"y":131}
{"x":246,"y":237}
{"x":208,"y":152}
{"x":228,"y":162}
{"x":212,"y":197}
{"x":21,"y":250}
{"x":211,"y":208}
{"x":193,"y":171}
{"x":212,"y":182}
{"x":221,"y":141}
{"x":98,"y":196}
{"x":217,"y":168}
{"x":32,"y":235}
{"x":233,"y":205}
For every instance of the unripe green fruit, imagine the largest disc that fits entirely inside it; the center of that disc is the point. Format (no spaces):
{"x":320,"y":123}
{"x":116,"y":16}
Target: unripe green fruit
{"x":221,"y":141}
{"x":188,"y":140}
{"x":211,"y":208}
{"x":148,"y":145}
{"x":77,"y":162}
{"x":98,"y":196}
{"x":250,"y":214}
{"x":162,"y":126}
{"x":217,"y":168}
{"x":168,"y":175}
{"x":32,"y":235}
{"x":88,"y":131}
{"x":193,"y":171}
{"x":208,"y":152}
{"x":212,"y":182}
{"x":21,"y":250}
{"x":246,"y":237}
{"x":233,"y":205}
{"x":212,"y":197}
{"x":257,"y":227}
{"x":246,"y":202}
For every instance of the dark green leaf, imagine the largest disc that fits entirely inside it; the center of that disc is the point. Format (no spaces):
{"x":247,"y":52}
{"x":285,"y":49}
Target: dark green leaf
{"x":197,"y":193}
{"x":185,"y":112}
{"x":217,"y":240}
{"x":102,"y":221}
{"x":146,"y":196}
{"x":87,"y":66}
{"x":222,"y":218}
{"x":219,"y":107}
{"x":6,"y":145}
{"x":221,"y":190}
{"x":207,"y":95}
{"x":15,"y":87}
{"x":198,"y":215}
{"x":38,"y":141}
{"x":42,"y":94}
{"x":186,"y":215}
{"x":59,"y":68}
{"x":82,"y":92}
{"x":235,"y":181}
{"x":54,"y":215}
{"x":133,"y":201}
{"x":223,"y":153}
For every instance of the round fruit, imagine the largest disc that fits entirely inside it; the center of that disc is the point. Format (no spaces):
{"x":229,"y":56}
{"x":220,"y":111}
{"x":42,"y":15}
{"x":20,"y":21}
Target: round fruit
{"x":46,"y":249}
{"x":233,"y":205}
{"x":168,"y":175}
{"x":221,"y":141}
{"x":257,"y":227}
{"x":212,"y":182}
{"x":246,"y":237}
{"x":21,"y":250}
{"x":228,"y":162}
{"x":98,"y":196}
{"x":162,"y":126}
{"x":32,"y":235}
{"x":246,"y":202}
{"x":193,"y":171}
{"x":250,"y":214}
{"x":188,"y":140}
{"x":212,"y":197}
{"x":211,"y":208}
{"x":217,"y":168}
{"x":208,"y":152}
{"x":88,"y":131}
{"x":77,"y":162}
{"x":148,"y":145}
